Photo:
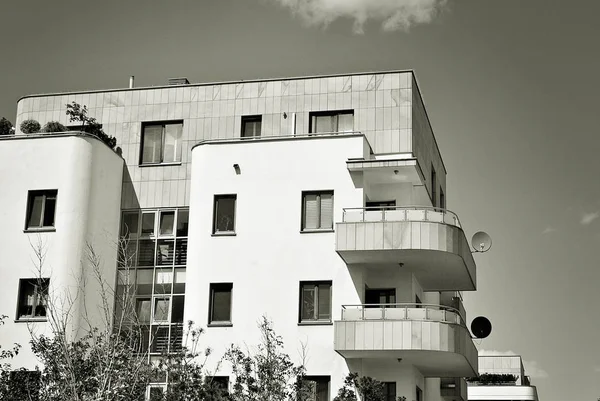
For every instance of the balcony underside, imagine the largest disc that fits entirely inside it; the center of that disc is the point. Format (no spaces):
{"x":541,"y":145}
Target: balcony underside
{"x":437,"y":253}
{"x":436,"y":349}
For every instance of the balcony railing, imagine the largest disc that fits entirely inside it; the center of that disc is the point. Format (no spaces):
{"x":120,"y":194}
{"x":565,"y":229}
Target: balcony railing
{"x":400,"y":213}
{"x":402,"y":311}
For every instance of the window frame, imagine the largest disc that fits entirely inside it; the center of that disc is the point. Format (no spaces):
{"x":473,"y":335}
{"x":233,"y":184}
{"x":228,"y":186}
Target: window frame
{"x":216,"y":198}
{"x":329,"y":113}
{"x":250,"y":119}
{"x":315,"y":321}
{"x":211,"y":304}
{"x":163,"y":124}
{"x":319,"y":379}
{"x":37,"y":296}
{"x":45,"y":193}
{"x":303,"y":211}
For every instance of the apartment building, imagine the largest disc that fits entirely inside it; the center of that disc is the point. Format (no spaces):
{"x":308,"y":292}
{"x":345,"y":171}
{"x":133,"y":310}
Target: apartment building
{"x":319,"y":202}
{"x":520,"y":389}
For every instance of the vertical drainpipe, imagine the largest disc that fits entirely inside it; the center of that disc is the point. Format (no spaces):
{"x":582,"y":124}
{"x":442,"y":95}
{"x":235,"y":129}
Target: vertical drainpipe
{"x":294,"y":124}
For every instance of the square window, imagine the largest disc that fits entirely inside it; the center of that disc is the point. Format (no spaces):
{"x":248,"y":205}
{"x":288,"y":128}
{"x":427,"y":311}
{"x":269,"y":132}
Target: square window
{"x":167,"y":221}
{"x":32,"y":298}
{"x":182,"y":222}
{"x":144,"y":281}
{"x":224,"y":214}
{"x":161,"y":142}
{"x":129,"y":224}
{"x":220,"y":303}
{"x":161,"y":309}
{"x":146,"y":252}
{"x":251,"y":126}
{"x":332,"y":121}
{"x":148,"y":223}
{"x":315,"y":388}
{"x":143,"y":307}
{"x":41,"y":208}
{"x":178,"y":306}
{"x":317,"y":210}
{"x":165,"y":251}
{"x":160,"y":339}
{"x":315,"y":301}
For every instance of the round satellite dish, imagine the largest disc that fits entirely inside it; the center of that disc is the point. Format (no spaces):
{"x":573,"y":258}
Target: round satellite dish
{"x":481,"y":242}
{"x":481,"y":327}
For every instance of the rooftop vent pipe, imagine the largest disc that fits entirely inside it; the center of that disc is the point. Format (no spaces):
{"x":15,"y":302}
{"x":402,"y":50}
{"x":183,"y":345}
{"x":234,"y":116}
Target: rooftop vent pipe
{"x":131,"y":79}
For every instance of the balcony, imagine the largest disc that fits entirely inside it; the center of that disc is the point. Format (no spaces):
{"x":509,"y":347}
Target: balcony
{"x":454,"y":389}
{"x":433,"y":338}
{"x":428,"y":241}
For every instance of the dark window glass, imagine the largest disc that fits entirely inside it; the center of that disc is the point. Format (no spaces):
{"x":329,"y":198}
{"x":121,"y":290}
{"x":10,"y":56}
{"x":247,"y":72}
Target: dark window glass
{"x":167,"y":220}
{"x":315,"y":388}
{"x":148,"y":223}
{"x":433,"y":187}
{"x":129,"y":223}
{"x":160,"y":338}
{"x":165,"y":252}
{"x":224,"y":214}
{"x":177,"y":313}
{"x":315,"y":301}
{"x":389,"y":391}
{"x":251,"y":126}
{"x":41,"y":208}
{"x":146,"y":252}
{"x":33,"y":295}
{"x":182,"y":223}
{"x":220,"y":302}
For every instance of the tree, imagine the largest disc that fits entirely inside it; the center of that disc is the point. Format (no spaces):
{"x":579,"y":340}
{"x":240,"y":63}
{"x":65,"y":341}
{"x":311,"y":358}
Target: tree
{"x":268,"y":374}
{"x":368,"y":388}
{"x":79,"y":114}
{"x":6,"y":127}
{"x":108,"y":362}
{"x":30,"y":126}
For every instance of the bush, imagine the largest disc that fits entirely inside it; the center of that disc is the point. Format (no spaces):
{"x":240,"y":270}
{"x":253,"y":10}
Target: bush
{"x":79,"y":114}
{"x":30,"y":127}
{"x":54,"y":126}
{"x":491,"y":379}
{"x":6,"y":127}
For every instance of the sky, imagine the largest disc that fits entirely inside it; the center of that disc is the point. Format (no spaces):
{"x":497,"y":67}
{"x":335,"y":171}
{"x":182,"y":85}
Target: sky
{"x":511,"y":88}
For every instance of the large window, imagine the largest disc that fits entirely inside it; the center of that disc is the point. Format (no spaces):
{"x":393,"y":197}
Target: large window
{"x":316,"y":388}
{"x":315,"y":301}
{"x":152,"y":262}
{"x":332,"y":121}
{"x":161,"y":142}
{"x":220,"y":303}
{"x":224,"y":214}
{"x":251,"y":126}
{"x":41,"y":208}
{"x":33,"y":294}
{"x":317,"y":210}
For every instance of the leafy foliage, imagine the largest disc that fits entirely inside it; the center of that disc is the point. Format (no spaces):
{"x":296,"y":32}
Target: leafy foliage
{"x":79,"y":114}
{"x":54,"y":126}
{"x":368,"y":388}
{"x":268,"y":374}
{"x":491,"y":379}
{"x":6,"y":127}
{"x":30,"y":127}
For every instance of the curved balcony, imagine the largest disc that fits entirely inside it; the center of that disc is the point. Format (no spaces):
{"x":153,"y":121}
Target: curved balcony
{"x":428,"y":241}
{"x":433,"y":338}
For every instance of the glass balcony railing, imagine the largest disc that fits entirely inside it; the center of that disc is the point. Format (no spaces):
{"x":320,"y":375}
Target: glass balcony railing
{"x":403,"y":311}
{"x":399,"y":214}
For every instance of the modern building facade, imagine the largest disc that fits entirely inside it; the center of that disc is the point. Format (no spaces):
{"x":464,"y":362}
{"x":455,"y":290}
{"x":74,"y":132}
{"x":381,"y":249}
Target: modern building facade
{"x":319,"y":202}
{"x":520,"y":389}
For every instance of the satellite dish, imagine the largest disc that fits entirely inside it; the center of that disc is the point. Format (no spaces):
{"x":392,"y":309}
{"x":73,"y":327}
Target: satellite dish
{"x":481,"y":327}
{"x":481,"y":242}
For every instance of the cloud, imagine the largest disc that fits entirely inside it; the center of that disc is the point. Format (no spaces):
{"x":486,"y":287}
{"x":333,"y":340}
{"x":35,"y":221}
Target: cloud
{"x":393,"y":14}
{"x":587,"y":218}
{"x":549,"y":230}
{"x":532,"y":368}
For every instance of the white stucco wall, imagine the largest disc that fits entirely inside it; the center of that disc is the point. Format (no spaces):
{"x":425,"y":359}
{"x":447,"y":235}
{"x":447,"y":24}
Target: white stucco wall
{"x":88,"y":177}
{"x":269,"y":256}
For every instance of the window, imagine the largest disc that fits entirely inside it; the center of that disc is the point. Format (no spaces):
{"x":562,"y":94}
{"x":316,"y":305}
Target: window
{"x":433,"y":187}
{"x":161,"y":142}
{"x":220,"y":303}
{"x":383,"y":205}
{"x":316,"y":388}
{"x":41,"y":207}
{"x":224,"y":214}
{"x":155,"y":392}
{"x":315,"y":301}
{"x":332,"y":121}
{"x":251,"y":126}
{"x":442,"y":199}
{"x":419,"y":394}
{"x":317,"y":210}
{"x":389,"y":391}
{"x":32,"y":298}
{"x":376,"y":297}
